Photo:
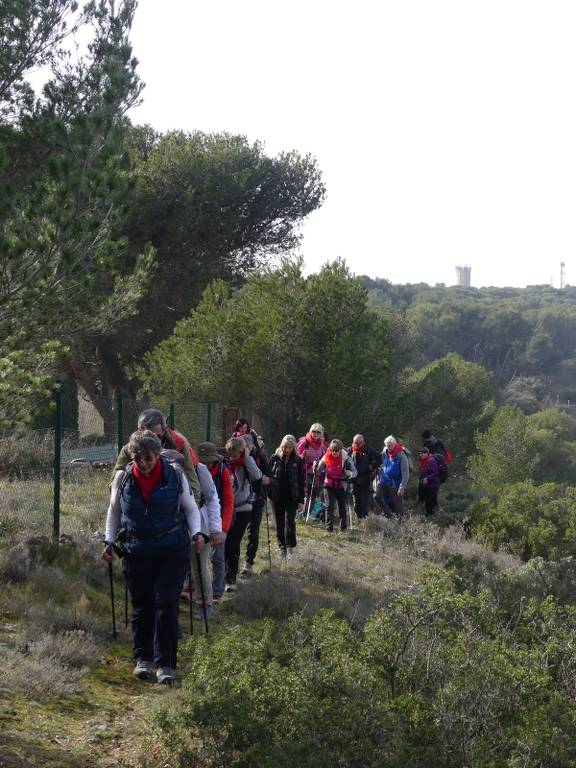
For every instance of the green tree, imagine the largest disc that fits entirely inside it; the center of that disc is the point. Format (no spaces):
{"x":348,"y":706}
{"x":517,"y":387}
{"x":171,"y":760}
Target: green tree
{"x":64,"y":181}
{"x":298,"y":349}
{"x":214,"y":207}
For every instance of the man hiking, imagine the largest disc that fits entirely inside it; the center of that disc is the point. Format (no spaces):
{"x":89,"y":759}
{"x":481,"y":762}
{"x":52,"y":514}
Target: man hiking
{"x":155,"y":421}
{"x":366,"y":461}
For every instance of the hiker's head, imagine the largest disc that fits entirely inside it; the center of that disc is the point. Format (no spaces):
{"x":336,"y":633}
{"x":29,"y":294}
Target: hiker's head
{"x":358,"y":441}
{"x":235,"y":447}
{"x":242,"y":427}
{"x":153,"y":420}
{"x":390,"y":442}
{"x":427,"y":434}
{"x":336,"y":445}
{"x":317,"y":431}
{"x":144,"y":448}
{"x":287,"y":446}
{"x":208,"y":454}
{"x":423,"y":452}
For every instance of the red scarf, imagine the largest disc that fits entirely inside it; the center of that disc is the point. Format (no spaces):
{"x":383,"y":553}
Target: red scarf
{"x":147,"y":483}
{"x":425,"y":461}
{"x":333,"y":462}
{"x":398,"y":448}
{"x":314,"y":441}
{"x":239,"y":462}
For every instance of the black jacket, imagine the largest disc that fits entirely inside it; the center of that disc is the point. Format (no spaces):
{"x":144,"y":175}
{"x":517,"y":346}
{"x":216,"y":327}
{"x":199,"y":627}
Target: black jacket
{"x":365,"y":461}
{"x":295,"y":470}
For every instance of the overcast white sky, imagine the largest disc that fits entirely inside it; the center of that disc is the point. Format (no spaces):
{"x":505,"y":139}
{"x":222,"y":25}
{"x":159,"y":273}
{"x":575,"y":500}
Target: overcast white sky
{"x":445,"y":129}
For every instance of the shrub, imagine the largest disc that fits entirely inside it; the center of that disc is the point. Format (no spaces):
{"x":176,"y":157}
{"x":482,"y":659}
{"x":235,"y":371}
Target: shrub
{"x":529,"y":520}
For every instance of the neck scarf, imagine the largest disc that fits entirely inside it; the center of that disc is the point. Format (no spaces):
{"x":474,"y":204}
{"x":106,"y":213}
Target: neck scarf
{"x":147,"y":483}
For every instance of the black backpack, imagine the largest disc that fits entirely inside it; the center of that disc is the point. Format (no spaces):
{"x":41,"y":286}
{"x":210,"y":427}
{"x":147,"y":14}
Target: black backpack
{"x":442,"y":466}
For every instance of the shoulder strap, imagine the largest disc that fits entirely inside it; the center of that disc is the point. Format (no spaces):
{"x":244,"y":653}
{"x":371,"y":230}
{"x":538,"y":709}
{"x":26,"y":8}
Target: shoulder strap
{"x":127,"y":475}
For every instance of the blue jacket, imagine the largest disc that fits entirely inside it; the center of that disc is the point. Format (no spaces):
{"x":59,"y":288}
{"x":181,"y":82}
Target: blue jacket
{"x":395,"y":472}
{"x":159,"y":524}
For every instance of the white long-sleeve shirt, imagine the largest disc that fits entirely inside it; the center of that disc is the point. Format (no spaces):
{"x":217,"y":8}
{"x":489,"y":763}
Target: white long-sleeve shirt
{"x":187,"y":501}
{"x":211,"y":519}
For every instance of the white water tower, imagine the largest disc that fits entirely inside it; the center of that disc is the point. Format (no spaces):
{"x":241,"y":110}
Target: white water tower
{"x":463,"y":275}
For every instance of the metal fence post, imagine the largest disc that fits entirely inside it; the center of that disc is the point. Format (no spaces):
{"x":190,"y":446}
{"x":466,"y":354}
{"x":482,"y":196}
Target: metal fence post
{"x":120,"y":420}
{"x":57,"y":464}
{"x":172,"y":416}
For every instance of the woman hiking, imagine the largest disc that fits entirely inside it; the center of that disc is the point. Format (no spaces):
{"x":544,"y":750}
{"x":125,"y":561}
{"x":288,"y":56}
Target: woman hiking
{"x":287,"y":493}
{"x":429,"y":474}
{"x":367,"y":461}
{"x":338,"y":470}
{"x":311,"y":448}
{"x":153,"y":516}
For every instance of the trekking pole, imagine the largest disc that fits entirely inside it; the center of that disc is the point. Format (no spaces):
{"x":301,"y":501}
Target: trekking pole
{"x":201,"y":580}
{"x":125,"y":604}
{"x":191,"y":603}
{"x":268,"y":530}
{"x":310,"y":495}
{"x":111,"y":577}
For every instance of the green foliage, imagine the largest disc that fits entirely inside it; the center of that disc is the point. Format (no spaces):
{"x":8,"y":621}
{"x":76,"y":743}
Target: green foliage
{"x":298,"y":348}
{"x":64,"y":185}
{"x":529,"y":520}
{"x":440,"y":677}
{"x":451,"y":396}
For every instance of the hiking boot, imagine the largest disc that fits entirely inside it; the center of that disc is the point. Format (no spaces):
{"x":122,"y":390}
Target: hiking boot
{"x":282,"y":553}
{"x":289,"y":553}
{"x":231,"y":587}
{"x":200,"y":612}
{"x":185,"y":594}
{"x":165,"y":675}
{"x":144,"y":670}
{"x":246,"y":570}
{"x":217,"y":599}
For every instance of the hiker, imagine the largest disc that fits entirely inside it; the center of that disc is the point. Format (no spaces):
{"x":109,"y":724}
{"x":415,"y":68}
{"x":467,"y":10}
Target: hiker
{"x":311,"y":448}
{"x":153,"y":517}
{"x":338,"y":469}
{"x":244,"y":472}
{"x":393,"y":478}
{"x":155,"y":421}
{"x":433,"y":443}
{"x":287,"y":493}
{"x":367,"y":461}
{"x":429,"y":473}
{"x":242,"y":429}
{"x":211,"y":527}
{"x":208,"y":455}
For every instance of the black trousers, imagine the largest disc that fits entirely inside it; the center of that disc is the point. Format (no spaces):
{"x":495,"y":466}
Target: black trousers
{"x":429,"y":496}
{"x":285,"y":514}
{"x":155,"y":585}
{"x":388,"y":500}
{"x":361,"y":491}
{"x":336,"y":496}
{"x":254,"y":530}
{"x":233,"y":543}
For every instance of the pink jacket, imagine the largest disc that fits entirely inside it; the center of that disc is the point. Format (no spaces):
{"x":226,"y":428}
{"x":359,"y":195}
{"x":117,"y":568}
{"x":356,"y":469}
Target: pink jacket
{"x":310,"y":454}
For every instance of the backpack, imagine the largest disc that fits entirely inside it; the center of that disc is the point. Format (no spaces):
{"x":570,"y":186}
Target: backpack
{"x":408,"y":455}
{"x":442,"y":466}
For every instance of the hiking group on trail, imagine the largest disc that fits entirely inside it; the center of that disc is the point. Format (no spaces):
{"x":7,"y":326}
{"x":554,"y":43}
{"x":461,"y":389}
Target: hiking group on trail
{"x":177,"y":516}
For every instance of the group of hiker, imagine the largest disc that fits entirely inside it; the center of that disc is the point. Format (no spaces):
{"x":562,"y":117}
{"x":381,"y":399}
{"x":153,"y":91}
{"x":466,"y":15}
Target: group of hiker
{"x":178,"y":515}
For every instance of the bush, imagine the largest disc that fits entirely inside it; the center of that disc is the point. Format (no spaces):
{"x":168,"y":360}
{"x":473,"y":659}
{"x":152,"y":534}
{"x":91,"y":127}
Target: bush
{"x":529,"y":520}
{"x":441,"y":677}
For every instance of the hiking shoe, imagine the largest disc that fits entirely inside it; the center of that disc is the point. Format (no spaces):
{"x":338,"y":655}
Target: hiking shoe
{"x":289,"y":553}
{"x":246,"y":570}
{"x":144,"y":670}
{"x":185,"y":593}
{"x":165,"y":675}
{"x":231,"y":587}
{"x":217,"y":599}
{"x":200,"y":612}
{"x":282,"y":553}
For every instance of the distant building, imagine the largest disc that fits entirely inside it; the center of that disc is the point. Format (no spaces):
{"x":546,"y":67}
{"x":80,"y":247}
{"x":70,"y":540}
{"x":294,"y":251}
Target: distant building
{"x":463,"y":276}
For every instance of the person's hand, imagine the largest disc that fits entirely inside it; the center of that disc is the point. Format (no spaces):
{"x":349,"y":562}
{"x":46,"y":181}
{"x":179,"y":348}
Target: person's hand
{"x":218,"y":537}
{"x":246,"y":451}
{"x":348,"y":473}
{"x":300,"y":508}
{"x":400,"y":492}
{"x":315,"y":466}
{"x":425,"y":481}
{"x":198,"y":542}
{"x":108,"y":553}
{"x":265,"y":480}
